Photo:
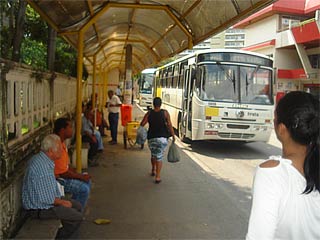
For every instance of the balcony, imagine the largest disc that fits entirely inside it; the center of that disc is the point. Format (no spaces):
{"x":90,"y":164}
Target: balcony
{"x":306,"y":33}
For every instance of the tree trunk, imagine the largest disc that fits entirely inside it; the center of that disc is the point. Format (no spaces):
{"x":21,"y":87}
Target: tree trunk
{"x":51,"y":49}
{"x":19,"y":31}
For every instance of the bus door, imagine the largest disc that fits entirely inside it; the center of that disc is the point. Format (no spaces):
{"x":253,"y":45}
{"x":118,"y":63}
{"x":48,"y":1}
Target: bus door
{"x":185,"y":122}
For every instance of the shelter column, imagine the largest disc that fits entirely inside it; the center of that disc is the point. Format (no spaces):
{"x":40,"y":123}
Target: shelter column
{"x":79,"y":102}
{"x":93,"y":94}
{"x":128,"y":80}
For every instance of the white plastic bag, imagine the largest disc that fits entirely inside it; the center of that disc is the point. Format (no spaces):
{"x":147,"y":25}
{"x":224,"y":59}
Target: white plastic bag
{"x":173,"y":153}
{"x":141,"y":135}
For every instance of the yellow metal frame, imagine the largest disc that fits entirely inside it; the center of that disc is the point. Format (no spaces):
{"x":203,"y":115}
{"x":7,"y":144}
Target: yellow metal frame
{"x":79,"y":45}
{"x":79,"y":103}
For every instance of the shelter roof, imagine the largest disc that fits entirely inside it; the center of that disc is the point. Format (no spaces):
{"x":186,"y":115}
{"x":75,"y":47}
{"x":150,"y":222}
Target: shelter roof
{"x":156,"y":29}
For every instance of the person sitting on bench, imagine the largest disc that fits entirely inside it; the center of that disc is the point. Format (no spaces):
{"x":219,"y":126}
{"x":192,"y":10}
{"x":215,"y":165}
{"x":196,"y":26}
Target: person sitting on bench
{"x":90,"y":135}
{"x":75,"y":183}
{"x":41,"y":193}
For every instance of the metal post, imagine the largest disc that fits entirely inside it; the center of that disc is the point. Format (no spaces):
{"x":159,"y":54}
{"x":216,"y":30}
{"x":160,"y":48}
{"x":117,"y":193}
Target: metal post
{"x":93,"y":95}
{"x":103,"y":101}
{"x":79,"y":103}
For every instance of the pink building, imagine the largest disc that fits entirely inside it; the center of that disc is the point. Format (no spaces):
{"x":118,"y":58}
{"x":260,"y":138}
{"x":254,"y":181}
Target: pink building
{"x":288,"y":31}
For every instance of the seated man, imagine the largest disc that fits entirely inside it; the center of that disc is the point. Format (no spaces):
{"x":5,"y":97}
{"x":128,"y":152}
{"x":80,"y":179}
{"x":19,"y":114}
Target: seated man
{"x":90,"y":135}
{"x":75,"y":183}
{"x":40,"y":191}
{"x":97,"y":117}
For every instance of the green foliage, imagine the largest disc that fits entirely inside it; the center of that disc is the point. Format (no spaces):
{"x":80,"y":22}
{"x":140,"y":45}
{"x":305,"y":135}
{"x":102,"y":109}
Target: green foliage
{"x":34,"y":49}
{"x":66,"y":56}
{"x":34,"y":53}
{"x":34,"y":43}
{"x":35,"y":28}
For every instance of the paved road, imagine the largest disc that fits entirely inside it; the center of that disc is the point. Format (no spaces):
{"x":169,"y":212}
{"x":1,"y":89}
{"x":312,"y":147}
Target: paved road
{"x":205,"y":196}
{"x":231,"y":160}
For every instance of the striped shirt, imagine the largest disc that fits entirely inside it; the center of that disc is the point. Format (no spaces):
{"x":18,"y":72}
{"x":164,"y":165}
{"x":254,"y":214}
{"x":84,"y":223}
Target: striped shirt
{"x":40,"y":187}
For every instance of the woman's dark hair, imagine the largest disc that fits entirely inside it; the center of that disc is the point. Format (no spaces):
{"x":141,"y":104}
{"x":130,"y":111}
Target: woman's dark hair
{"x":59,"y":124}
{"x":299,"y":112}
{"x":157,"y":102}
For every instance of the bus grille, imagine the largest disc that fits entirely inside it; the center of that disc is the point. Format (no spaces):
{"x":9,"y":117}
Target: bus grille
{"x":237,"y":126}
{"x":235,"y":135}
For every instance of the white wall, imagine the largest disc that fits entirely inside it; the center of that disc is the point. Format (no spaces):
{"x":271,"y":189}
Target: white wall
{"x":312,"y":51}
{"x":266,"y":51}
{"x":287,"y":59}
{"x":261,"y":31}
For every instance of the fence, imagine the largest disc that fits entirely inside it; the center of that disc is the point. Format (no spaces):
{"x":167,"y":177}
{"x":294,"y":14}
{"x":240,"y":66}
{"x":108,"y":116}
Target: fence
{"x":29,"y":103}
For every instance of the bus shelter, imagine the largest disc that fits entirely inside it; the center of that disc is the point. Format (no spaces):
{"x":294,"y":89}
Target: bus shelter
{"x":132,"y":35}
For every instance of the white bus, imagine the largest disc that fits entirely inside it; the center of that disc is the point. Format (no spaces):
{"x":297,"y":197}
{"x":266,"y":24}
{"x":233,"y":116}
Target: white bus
{"x":145,"y":83}
{"x":219,"y":95}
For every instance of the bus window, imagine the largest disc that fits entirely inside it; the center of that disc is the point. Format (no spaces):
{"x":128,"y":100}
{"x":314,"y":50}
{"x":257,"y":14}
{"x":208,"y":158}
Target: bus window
{"x":219,"y":82}
{"x":181,"y":74}
{"x":169,"y":77}
{"x":175,"y":75}
{"x":146,"y":83}
{"x":163,"y":78}
{"x":255,"y":86}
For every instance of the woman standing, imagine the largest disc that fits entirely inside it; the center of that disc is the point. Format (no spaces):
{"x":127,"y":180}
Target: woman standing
{"x":286,"y":190}
{"x":160,"y":129}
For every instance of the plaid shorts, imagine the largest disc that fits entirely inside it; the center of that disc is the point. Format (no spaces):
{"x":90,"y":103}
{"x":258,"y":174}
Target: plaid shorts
{"x":157,"y":147}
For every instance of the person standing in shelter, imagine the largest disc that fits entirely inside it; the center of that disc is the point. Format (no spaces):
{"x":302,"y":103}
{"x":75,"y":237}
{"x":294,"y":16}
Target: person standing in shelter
{"x":286,"y":189}
{"x":40,"y":192}
{"x":75,"y":183}
{"x":113,"y":106}
{"x":160,"y":128}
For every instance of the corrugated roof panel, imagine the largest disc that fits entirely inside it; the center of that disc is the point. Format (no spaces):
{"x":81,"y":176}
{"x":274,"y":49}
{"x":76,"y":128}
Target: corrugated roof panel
{"x":158,"y":29}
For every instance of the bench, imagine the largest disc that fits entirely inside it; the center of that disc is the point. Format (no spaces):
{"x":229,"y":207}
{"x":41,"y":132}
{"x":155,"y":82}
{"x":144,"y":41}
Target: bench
{"x":84,"y":155}
{"x":34,"y":228}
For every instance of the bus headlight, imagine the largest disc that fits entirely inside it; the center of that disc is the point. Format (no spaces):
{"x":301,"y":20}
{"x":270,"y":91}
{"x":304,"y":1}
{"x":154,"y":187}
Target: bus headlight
{"x":256,"y":128}
{"x":260,"y":128}
{"x":214,"y":125}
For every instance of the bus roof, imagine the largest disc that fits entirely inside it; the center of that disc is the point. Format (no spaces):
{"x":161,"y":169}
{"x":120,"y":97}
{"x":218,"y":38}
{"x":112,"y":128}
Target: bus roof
{"x":148,"y":70}
{"x":213,"y":51}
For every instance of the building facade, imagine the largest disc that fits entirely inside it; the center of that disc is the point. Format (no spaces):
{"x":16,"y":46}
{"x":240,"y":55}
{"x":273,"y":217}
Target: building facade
{"x":230,"y":39}
{"x":288,"y":31}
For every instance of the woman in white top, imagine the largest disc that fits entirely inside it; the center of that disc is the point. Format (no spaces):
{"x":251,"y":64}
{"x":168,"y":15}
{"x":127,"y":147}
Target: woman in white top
{"x":286,"y":189}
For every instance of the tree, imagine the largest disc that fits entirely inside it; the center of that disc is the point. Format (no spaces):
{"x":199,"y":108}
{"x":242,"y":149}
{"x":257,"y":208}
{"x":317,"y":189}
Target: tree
{"x":7,"y":27}
{"x":19,"y":31}
{"x":26,"y":38}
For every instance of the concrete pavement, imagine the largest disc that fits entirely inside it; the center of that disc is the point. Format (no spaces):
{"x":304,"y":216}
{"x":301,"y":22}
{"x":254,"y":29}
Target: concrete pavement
{"x":187,"y":204}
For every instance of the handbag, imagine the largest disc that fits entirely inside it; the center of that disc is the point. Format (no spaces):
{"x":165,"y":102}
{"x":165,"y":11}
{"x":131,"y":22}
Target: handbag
{"x":173,"y":153}
{"x":141,"y":135}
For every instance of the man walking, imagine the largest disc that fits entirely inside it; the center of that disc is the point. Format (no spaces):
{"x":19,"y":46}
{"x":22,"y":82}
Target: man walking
{"x":113,"y":106}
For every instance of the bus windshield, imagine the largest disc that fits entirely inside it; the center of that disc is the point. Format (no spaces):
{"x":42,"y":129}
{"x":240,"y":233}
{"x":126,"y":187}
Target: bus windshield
{"x":146,"y":83}
{"x":231,"y":83}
